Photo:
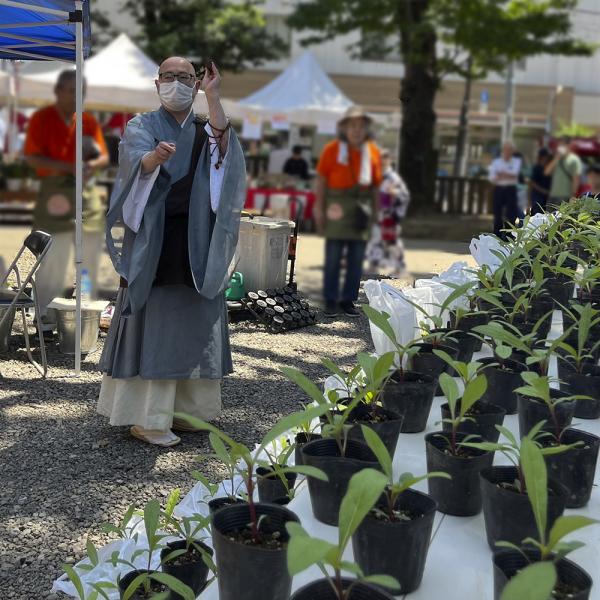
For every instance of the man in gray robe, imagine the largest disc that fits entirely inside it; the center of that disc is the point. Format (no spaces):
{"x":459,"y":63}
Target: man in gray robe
{"x":178,"y":197}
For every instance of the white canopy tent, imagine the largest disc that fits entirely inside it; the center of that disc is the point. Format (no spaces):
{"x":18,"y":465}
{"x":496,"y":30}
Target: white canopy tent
{"x":303,"y":93}
{"x":54,"y":30}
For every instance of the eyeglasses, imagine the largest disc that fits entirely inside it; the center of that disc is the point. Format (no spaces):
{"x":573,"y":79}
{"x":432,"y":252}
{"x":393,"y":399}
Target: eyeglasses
{"x":169,"y":76}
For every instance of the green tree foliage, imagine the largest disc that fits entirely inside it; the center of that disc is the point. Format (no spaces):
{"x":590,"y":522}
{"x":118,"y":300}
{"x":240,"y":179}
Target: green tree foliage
{"x":436,"y":38}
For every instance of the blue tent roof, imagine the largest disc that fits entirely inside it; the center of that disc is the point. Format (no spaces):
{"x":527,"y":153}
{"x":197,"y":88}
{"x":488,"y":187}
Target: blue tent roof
{"x":29,"y":33}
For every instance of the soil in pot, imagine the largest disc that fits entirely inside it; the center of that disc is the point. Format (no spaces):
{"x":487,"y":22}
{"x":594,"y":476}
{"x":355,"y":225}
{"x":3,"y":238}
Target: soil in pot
{"x":507,"y":512}
{"x":575,"y":468}
{"x":586,"y":384}
{"x":326,"y":496}
{"x":503,"y":378}
{"x":189,"y":568}
{"x":155,"y":587}
{"x":481,"y":421}
{"x":397,"y":547}
{"x":573,"y":582}
{"x":386,"y":423}
{"x":410,"y":394}
{"x":241,"y":563}
{"x":300,"y":440}
{"x":425,"y":361}
{"x":461,"y":495}
{"x":270,"y":485}
{"x":322,"y":590}
{"x":532,"y":411}
{"x":218,"y":503}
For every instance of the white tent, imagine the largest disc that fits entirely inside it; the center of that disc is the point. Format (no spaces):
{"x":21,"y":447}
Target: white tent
{"x":303,"y":93}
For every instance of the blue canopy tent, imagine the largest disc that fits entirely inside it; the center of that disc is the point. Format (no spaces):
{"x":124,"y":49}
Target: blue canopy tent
{"x":54,"y":30}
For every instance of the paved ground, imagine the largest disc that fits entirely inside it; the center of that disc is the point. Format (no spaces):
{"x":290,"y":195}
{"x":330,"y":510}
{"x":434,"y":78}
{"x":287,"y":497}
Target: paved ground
{"x":63,"y":470}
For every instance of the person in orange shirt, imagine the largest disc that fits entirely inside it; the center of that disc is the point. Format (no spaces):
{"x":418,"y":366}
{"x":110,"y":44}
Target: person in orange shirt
{"x":50,"y":150}
{"x":348,"y":177}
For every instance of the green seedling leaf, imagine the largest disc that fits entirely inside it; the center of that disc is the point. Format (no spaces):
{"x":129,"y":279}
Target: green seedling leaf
{"x":379,"y":450}
{"x":92,"y":552}
{"x":174,"y":585}
{"x":536,"y":480}
{"x":565,"y":525}
{"x":304,"y":383}
{"x":473,"y":392}
{"x":364,"y":490}
{"x":534,"y":582}
{"x":151,"y":518}
{"x":172,"y":501}
{"x":308,"y":471}
{"x":304,"y":551}
{"x":384,"y":581}
{"x":74,"y":579}
{"x":291,"y":421}
{"x":381,"y":320}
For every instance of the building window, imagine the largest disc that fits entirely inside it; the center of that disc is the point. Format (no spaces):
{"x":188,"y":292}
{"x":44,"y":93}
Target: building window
{"x":375,"y":47}
{"x":276,"y":25}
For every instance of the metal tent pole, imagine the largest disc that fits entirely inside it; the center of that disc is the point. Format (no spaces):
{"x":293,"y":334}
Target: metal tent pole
{"x":78,"y":179}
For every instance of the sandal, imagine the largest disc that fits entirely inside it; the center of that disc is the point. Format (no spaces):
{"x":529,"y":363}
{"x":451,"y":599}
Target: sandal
{"x":166,"y":439}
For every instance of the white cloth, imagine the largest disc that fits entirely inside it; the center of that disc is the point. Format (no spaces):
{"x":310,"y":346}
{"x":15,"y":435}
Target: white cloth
{"x":135,"y":203}
{"x":365,"y":175}
{"x":150,"y":403}
{"x":50,"y":279}
{"x":512,"y":166}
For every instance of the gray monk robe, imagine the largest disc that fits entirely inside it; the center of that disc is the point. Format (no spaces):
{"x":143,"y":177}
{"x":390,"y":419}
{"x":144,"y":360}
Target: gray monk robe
{"x":168,"y":345}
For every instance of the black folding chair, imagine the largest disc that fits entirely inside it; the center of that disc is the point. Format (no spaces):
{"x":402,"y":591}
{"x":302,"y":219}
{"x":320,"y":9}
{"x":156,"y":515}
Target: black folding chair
{"x":38,"y":243}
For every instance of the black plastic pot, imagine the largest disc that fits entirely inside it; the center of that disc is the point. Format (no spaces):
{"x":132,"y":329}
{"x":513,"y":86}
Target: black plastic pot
{"x":127,"y":579}
{"x":482,"y":423}
{"x":193,"y":573}
{"x":468,"y":322}
{"x":461,"y":495}
{"x":508,"y":515}
{"x":410,"y":395}
{"x":242,"y":567}
{"x":507,"y":563}
{"x":560,"y":290}
{"x":218,"y":503}
{"x":387,"y":430}
{"x":532,"y":411}
{"x":398,"y":548}
{"x":425,"y":361}
{"x":585,"y":384}
{"x":322,"y":590}
{"x":525,"y":326}
{"x":326,"y":496}
{"x":502,"y":383}
{"x":300,"y":440}
{"x":270,"y":485}
{"x":576,"y":467}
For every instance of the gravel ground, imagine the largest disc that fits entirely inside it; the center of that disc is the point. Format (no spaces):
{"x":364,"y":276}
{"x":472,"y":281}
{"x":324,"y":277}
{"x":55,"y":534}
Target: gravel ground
{"x":64,"y":470}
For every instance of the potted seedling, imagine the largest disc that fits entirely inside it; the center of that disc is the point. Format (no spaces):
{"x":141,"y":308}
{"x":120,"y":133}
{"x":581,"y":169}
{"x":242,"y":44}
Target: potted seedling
{"x":394,"y":536}
{"x":188,"y":558}
{"x":538,"y":401}
{"x":538,"y":566}
{"x":146,"y":583}
{"x":250,"y":539}
{"x":506,"y":507}
{"x":305,"y":432}
{"x":304,"y":551}
{"x":408,"y":393}
{"x":446,"y":452}
{"x":99,"y":589}
{"x":336,"y":454}
{"x":481,"y":419}
{"x":589,"y":290}
{"x":275,"y":482}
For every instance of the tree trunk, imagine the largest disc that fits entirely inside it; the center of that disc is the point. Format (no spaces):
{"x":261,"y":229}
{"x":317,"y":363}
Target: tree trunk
{"x":460,"y":160}
{"x":418,"y":158}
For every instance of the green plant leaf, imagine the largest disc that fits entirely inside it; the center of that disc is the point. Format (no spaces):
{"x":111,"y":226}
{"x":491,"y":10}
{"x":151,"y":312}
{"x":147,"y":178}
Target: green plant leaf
{"x":303,"y":382}
{"x":534,"y":582}
{"x":364,"y":490}
{"x":74,"y":579}
{"x":91,"y":552}
{"x":565,"y":525}
{"x":473,"y":392}
{"x":450,"y":389}
{"x":151,"y":519}
{"x":383,"y":581}
{"x":290,"y":421}
{"x":379,"y":450}
{"x":308,"y":471}
{"x":174,"y":585}
{"x":381,"y":320}
{"x":304,"y":551}
{"x":536,"y":481}
{"x":172,"y":501}
{"x":134,"y":585}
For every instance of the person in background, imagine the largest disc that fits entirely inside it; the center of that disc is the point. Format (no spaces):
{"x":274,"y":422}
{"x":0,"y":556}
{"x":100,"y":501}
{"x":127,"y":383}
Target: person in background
{"x":504,"y":174}
{"x":347,"y":190}
{"x":50,"y":150}
{"x":593,"y":179}
{"x":540,"y":183}
{"x":566,"y":169}
{"x":385,"y":248}
{"x":295,"y":165}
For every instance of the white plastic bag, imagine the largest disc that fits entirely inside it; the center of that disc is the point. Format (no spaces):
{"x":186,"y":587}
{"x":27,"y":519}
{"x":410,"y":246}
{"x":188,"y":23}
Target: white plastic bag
{"x":484,"y":249}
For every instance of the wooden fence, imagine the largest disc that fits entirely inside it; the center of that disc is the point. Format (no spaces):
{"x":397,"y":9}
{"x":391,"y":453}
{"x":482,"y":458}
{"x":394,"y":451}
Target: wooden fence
{"x":463,"y":196}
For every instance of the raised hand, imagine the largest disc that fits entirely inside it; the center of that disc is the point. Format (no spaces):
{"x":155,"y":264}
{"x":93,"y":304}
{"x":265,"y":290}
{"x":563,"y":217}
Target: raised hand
{"x":211,"y":82}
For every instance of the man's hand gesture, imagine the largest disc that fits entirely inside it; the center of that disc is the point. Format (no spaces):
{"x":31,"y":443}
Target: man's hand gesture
{"x":163,"y":152}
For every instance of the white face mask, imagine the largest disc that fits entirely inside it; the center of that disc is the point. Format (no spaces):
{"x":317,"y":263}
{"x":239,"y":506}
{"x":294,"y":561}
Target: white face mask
{"x":175,"y":95}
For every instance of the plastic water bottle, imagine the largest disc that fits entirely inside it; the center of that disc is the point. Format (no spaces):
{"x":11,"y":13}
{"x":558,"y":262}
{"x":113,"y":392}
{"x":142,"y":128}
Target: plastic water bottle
{"x":86,"y":286}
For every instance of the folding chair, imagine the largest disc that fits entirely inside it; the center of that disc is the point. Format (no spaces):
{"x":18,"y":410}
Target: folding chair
{"x":38,"y":243}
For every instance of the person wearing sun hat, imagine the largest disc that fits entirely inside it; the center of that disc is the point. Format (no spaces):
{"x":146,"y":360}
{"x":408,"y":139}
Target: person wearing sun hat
{"x":348,"y":177}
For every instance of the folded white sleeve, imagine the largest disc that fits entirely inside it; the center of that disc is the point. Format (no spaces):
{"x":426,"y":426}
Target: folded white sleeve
{"x":216,"y":175}
{"x":135,"y":203}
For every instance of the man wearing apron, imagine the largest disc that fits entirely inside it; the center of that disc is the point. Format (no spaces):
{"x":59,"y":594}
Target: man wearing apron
{"x":349,"y":175}
{"x":50,"y":149}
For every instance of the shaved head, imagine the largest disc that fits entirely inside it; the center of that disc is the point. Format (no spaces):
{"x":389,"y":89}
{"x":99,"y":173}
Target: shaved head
{"x":177,"y":64}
